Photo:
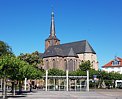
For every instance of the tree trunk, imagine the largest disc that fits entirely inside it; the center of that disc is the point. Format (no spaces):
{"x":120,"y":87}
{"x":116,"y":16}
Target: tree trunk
{"x":4,"y":89}
{"x":30,"y":86}
{"x":1,"y":84}
{"x":20,"y":87}
{"x":13,"y":88}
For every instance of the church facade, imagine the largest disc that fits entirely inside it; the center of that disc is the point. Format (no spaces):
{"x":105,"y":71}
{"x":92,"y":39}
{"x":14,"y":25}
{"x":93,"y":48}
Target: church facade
{"x":66,"y":56}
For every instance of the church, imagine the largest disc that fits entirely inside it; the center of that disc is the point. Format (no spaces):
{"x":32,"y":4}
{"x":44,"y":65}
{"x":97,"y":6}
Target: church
{"x":66,"y":56}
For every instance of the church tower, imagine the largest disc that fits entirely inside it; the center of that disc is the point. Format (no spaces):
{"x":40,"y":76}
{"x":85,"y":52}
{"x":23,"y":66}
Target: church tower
{"x":52,"y":39}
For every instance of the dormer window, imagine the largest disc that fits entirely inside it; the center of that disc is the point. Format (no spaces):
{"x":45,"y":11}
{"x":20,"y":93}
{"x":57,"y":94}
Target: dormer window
{"x":116,"y":63}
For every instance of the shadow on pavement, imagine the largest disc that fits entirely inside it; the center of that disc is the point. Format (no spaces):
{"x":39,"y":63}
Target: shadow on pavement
{"x":18,"y":94}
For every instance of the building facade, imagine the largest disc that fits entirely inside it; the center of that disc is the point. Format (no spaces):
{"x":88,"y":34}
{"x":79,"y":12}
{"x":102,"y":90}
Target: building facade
{"x":66,"y":56}
{"x":114,"y":65}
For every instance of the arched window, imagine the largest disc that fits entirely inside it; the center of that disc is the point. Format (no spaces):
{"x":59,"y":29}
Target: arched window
{"x":54,"y":63}
{"x":91,"y":57}
{"x":93,"y":62}
{"x":75,"y":65}
{"x":56,"y":43}
{"x":65,"y":64}
{"x":49,"y":42}
{"x":47,"y":64}
{"x":70,"y":65}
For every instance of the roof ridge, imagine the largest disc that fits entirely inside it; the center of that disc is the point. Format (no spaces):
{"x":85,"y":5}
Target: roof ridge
{"x":73,"y":42}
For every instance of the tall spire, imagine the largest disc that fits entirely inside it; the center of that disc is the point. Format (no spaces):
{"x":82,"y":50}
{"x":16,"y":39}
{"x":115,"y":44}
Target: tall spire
{"x":52,"y":39}
{"x":52,"y":27}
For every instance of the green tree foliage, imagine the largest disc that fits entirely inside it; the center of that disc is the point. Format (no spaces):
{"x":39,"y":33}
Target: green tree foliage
{"x":92,"y":72}
{"x":77,"y":73}
{"x":85,"y":65}
{"x":7,"y":65}
{"x":32,"y":59}
{"x":5,"y":48}
{"x":16,"y":69}
{"x":56,"y":72}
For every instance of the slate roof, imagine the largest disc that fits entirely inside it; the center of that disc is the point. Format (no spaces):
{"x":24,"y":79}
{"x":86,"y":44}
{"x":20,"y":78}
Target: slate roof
{"x":69,"y":49}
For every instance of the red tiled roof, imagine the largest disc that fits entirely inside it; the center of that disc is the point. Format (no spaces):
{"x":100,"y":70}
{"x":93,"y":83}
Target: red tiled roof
{"x":111,"y":65}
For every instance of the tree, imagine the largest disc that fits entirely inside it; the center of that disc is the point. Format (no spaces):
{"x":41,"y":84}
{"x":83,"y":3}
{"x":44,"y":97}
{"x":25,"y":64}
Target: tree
{"x":6,"y":68}
{"x":85,"y":65}
{"x":77,"y":73}
{"x":5,"y":48}
{"x":17,"y":70}
{"x":56,"y":72}
{"x":27,"y":71}
{"x":33,"y":58}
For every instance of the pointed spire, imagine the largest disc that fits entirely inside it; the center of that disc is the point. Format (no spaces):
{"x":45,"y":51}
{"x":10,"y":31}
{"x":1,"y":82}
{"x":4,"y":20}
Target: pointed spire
{"x":52,"y":27}
{"x":52,"y":39}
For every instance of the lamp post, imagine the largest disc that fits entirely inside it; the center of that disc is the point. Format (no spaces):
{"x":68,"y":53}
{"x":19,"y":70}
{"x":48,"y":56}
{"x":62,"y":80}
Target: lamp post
{"x":46,"y":79}
{"x":87,"y":80}
{"x":67,"y":80}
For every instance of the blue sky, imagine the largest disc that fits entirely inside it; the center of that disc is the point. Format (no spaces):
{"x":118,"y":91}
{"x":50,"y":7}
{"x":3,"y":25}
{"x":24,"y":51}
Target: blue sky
{"x":25,"y":24}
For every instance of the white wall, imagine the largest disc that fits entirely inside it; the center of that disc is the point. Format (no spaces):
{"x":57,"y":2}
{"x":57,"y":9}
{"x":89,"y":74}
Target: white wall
{"x":113,"y":69}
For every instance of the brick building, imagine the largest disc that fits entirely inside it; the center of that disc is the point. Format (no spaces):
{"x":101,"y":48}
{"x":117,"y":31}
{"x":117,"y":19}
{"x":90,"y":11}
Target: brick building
{"x":66,"y":56}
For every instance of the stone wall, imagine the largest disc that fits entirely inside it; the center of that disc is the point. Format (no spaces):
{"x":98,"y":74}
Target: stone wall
{"x":70,"y":63}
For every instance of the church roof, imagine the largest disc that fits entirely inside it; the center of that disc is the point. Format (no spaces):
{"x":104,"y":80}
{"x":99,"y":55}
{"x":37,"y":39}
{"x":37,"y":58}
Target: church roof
{"x":71,"y":52}
{"x":69,"y":49}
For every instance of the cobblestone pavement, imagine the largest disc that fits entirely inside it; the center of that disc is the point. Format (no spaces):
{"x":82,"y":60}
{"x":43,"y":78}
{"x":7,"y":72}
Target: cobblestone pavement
{"x":93,"y":94}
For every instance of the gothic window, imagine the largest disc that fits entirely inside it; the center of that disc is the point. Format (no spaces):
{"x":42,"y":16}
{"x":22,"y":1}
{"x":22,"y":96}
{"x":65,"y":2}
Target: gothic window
{"x":65,"y":64}
{"x":54,"y":63}
{"x":75,"y":64}
{"x":81,"y":62}
{"x":71,"y":65}
{"x":56,"y":42}
{"x":48,"y":42}
{"x":47,"y":64}
{"x":91,"y":57}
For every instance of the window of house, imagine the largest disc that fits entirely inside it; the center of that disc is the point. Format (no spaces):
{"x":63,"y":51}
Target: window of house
{"x":116,"y":63}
